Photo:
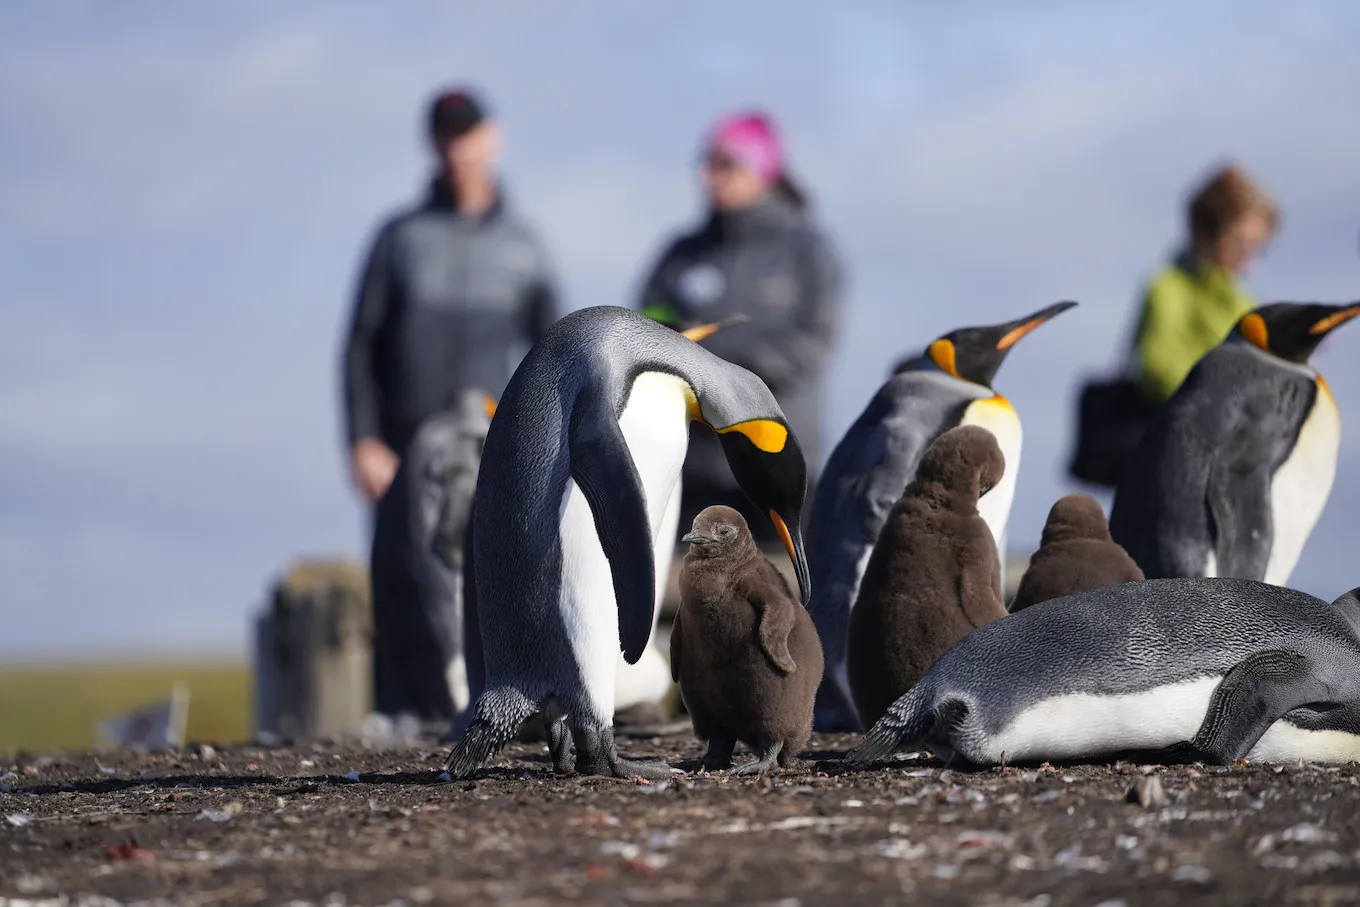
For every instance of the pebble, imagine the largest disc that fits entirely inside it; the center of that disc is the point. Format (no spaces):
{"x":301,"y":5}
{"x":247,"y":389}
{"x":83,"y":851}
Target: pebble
{"x":1309,"y":834}
{"x":1191,"y":872}
{"x":19,"y":820}
{"x":207,"y":754}
{"x":1148,"y":793}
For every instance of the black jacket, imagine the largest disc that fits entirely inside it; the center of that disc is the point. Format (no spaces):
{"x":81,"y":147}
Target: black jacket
{"x":447,"y":301}
{"x":771,"y":263}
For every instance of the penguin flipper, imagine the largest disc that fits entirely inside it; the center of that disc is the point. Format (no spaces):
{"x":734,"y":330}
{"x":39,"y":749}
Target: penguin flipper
{"x":1239,"y":504}
{"x":603,"y":469}
{"x":1251,"y":697}
{"x":776,"y":623}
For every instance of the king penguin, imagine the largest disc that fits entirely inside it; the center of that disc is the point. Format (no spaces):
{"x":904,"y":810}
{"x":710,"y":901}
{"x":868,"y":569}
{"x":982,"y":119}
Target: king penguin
{"x":1171,"y":670}
{"x":948,"y":385}
{"x":580,"y":466}
{"x":1233,"y":472}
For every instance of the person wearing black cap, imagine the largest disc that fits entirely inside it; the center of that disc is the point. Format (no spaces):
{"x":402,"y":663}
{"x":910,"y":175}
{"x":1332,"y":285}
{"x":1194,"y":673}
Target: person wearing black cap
{"x":453,"y":292}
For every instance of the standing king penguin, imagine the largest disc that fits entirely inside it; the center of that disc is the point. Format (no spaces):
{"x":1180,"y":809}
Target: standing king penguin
{"x":1235,"y":469}
{"x":948,"y":385}
{"x":580,"y":468}
{"x":1166,"y":670}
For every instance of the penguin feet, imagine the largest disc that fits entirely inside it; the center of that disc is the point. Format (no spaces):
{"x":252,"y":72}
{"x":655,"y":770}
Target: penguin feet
{"x":597,"y":755}
{"x":767,"y":760}
{"x":559,"y":745}
{"x":719,"y":755}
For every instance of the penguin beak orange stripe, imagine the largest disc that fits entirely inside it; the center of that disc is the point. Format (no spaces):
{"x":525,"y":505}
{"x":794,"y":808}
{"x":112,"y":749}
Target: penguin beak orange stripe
{"x":941,"y":352}
{"x":1014,"y":334}
{"x":784,"y":535}
{"x":707,"y":330}
{"x":1334,"y":319}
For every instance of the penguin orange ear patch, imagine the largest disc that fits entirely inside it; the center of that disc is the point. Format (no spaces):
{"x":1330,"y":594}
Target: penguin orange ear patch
{"x":766,"y":434}
{"x":941,"y":352}
{"x":1253,"y":328}
{"x":1334,"y":319}
{"x":489,"y":405}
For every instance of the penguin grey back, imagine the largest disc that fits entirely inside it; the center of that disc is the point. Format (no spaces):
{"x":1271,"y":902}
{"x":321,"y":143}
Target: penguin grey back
{"x":1197,"y":491}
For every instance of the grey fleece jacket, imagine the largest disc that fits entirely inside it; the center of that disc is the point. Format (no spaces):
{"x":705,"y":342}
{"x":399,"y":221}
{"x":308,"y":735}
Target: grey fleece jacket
{"x":771,"y":263}
{"x":446,"y":302}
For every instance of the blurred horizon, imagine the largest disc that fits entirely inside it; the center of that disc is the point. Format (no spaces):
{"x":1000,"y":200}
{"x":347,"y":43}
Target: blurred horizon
{"x":188,"y":190}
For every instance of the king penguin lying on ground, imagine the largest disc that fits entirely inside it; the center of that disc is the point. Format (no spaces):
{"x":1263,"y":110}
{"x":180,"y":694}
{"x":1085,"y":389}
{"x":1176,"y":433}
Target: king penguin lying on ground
{"x":1234,"y":471}
{"x":580,"y":466}
{"x":950,"y":384}
{"x":1169,"y":670}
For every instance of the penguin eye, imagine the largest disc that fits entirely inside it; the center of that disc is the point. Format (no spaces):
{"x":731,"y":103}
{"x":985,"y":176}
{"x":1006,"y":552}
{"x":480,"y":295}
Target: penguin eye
{"x":726,"y":532}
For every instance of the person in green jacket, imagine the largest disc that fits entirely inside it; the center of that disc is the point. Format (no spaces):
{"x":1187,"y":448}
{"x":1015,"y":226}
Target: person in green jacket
{"x":1192,"y":304}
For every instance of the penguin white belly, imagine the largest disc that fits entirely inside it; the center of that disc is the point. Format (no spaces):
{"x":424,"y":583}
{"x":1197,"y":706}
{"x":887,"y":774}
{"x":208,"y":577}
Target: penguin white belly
{"x":1299,"y":488}
{"x":1285,"y":742}
{"x":1075,"y":725}
{"x":656,"y":430}
{"x":997,"y":416}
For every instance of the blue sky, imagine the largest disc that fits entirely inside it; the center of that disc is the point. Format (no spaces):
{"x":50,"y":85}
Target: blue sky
{"x":186,"y":190}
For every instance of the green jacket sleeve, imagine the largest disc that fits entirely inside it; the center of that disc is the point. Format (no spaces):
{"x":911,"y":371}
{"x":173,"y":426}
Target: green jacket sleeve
{"x":1167,"y":346}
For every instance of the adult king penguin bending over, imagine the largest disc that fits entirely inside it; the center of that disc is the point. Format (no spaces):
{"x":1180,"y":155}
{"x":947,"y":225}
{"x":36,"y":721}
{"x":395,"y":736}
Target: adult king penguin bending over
{"x":579,"y":468}
{"x":1234,"y":471}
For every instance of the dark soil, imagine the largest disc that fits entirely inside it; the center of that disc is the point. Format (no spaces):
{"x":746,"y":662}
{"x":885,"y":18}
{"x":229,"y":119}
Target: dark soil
{"x":347,"y":825}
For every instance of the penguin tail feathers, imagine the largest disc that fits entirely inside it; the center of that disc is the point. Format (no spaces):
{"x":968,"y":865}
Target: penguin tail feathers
{"x":905,"y":722}
{"x":499,"y":714}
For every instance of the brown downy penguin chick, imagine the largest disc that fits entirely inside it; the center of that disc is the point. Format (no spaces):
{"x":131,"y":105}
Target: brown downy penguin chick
{"x":743,"y":648}
{"x":933,"y":576}
{"x":1075,"y":554}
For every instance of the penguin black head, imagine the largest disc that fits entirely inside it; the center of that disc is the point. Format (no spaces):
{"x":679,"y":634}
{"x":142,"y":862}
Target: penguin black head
{"x":974,"y":354}
{"x":1292,"y":330}
{"x":720,"y":531}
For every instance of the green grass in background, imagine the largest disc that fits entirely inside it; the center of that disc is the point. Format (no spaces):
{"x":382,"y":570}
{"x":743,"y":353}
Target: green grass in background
{"x":44,"y":707}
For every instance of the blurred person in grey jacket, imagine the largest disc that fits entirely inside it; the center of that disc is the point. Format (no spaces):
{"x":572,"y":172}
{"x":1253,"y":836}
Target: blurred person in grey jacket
{"x":758,"y":253}
{"x":453,"y":293}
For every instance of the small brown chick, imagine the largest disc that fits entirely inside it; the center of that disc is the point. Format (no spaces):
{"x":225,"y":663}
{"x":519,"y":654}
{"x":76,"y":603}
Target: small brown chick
{"x":743,"y":648}
{"x":1075,"y":554}
{"x":933,"y":576}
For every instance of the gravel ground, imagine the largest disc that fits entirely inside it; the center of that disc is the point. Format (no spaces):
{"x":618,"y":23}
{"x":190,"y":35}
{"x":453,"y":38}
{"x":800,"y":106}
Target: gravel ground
{"x":341,"y":824}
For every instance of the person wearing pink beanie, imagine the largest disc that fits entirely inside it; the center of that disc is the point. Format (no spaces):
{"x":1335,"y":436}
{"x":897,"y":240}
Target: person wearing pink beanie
{"x":757,"y":253}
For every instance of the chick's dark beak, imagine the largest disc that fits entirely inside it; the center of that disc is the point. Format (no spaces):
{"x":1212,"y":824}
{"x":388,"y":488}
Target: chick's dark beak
{"x":694,"y":538}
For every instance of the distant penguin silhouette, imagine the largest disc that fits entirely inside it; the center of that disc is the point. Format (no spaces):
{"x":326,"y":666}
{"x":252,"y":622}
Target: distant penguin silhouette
{"x":1164,"y":670}
{"x":1075,"y":554}
{"x":581,"y":467}
{"x":1233,"y":472}
{"x":743,"y":648}
{"x":416,"y":565}
{"x":948,"y":385}
{"x":933,"y":576}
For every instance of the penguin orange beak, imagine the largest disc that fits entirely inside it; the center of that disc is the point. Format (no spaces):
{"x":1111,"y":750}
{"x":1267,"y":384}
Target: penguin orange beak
{"x":707,"y":330}
{"x":1334,"y":320}
{"x":1011,"y":337}
{"x":793,"y":544}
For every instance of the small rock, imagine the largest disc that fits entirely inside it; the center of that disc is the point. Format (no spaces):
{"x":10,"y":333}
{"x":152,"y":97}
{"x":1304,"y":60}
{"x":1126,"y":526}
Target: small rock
{"x":207,"y":754}
{"x":19,"y":820}
{"x":1191,"y":872}
{"x":1304,"y":833}
{"x":620,"y":848}
{"x":215,"y":815}
{"x":853,"y":804}
{"x":1148,"y":793}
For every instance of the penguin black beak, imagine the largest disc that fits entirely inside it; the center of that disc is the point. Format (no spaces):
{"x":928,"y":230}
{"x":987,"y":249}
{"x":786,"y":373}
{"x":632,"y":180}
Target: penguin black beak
{"x":695,"y":538}
{"x":793,"y":544}
{"x":1014,"y":330}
